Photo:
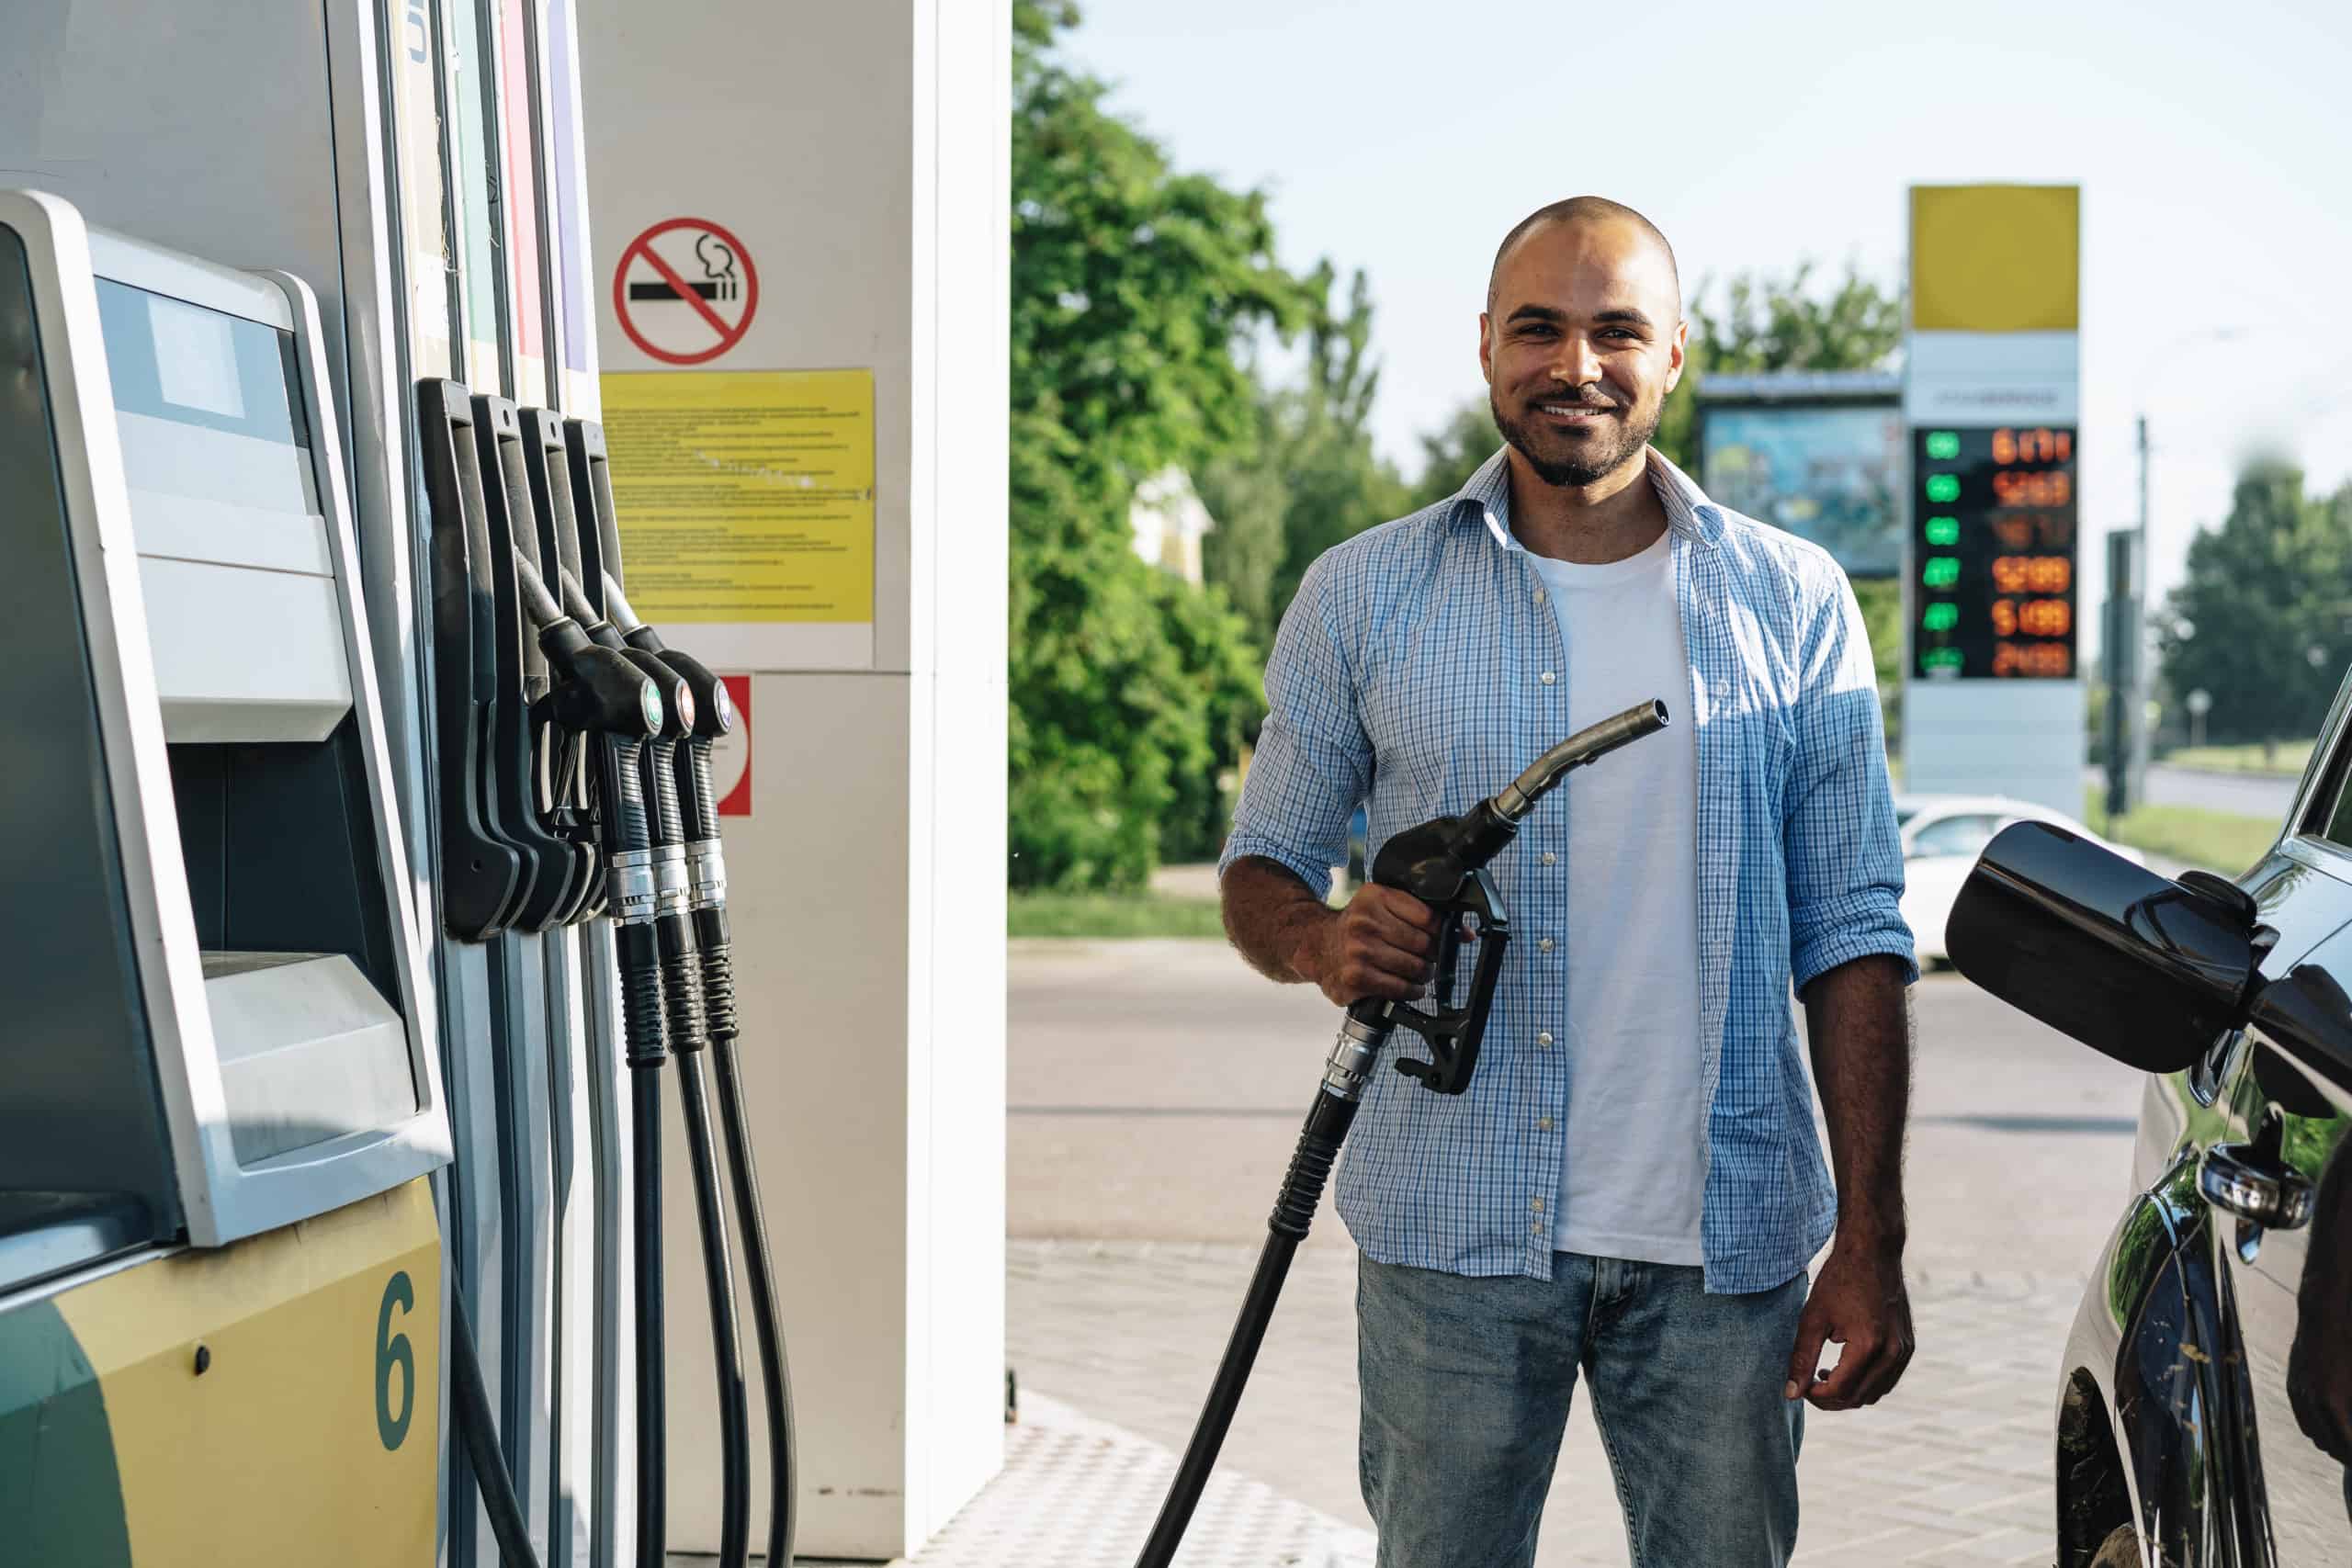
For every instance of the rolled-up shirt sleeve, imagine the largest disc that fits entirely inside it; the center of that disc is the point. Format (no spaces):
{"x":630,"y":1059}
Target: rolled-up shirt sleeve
{"x":1313,"y":762}
{"x":1845,"y":856}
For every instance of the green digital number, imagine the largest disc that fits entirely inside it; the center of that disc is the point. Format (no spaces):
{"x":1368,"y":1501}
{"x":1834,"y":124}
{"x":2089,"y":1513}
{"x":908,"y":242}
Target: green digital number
{"x":1941,"y":571}
{"x":1943,"y":445}
{"x":1942,"y":659}
{"x":1943,"y":488}
{"x":1943,"y":530}
{"x":393,"y":1350}
{"x":1940,"y":617}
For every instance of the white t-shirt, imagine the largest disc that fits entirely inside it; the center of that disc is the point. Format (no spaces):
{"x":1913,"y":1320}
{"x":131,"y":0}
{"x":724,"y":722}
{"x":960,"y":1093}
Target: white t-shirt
{"x":1636,"y":1163}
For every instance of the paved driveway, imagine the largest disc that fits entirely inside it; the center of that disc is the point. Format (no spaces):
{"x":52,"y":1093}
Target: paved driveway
{"x":1157,"y":1088}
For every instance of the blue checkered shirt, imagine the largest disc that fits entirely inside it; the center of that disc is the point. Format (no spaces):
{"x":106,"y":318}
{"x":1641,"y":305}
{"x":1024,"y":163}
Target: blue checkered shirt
{"x":1417,"y":672}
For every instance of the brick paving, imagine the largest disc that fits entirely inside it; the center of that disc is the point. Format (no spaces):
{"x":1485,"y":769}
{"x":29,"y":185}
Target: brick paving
{"x":1154,"y":1089}
{"x":1953,"y":1469}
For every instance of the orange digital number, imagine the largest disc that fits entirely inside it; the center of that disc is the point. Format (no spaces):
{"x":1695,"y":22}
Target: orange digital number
{"x":2032,"y":446}
{"x":2030,"y":488}
{"x":2033,"y":659}
{"x":2032,"y":617}
{"x":2020,"y":533}
{"x":2032,"y":574}
{"x":2046,"y":618}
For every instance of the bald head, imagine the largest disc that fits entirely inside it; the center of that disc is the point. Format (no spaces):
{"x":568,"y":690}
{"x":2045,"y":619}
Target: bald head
{"x":1584,"y":210}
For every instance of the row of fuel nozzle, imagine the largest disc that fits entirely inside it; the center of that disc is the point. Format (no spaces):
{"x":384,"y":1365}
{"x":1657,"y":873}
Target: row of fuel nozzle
{"x":575,"y":754}
{"x":650,"y":715}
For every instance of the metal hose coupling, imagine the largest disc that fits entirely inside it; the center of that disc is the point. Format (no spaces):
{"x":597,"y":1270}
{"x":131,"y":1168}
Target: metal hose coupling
{"x":632,"y":886}
{"x":1351,"y":1059}
{"x":706,"y":874}
{"x":1519,"y":798}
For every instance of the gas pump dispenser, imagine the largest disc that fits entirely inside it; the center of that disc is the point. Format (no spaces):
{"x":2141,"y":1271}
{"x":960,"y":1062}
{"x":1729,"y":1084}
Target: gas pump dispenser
{"x":261,"y":1104}
{"x":220,"y":1268}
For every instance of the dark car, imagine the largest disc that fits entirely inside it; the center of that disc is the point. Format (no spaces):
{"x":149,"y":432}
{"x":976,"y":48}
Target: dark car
{"x":2205,"y":1401}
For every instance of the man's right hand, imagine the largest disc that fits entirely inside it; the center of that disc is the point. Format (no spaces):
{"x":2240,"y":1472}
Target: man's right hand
{"x":1380,"y":945}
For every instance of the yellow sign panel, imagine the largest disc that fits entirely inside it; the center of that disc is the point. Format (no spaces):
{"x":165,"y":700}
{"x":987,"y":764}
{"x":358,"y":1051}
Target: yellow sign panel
{"x":744,"y":496}
{"x":1996,"y":258}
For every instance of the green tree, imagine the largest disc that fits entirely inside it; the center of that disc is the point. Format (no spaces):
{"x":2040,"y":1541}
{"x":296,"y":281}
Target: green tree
{"x":1312,"y":478}
{"x":1452,"y":453}
{"x":1778,"y":324}
{"x":2264,"y":622}
{"x":1134,"y":287}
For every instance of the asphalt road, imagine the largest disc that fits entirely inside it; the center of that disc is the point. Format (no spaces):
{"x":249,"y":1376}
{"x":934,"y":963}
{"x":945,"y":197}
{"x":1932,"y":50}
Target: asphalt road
{"x":1156,"y":1089}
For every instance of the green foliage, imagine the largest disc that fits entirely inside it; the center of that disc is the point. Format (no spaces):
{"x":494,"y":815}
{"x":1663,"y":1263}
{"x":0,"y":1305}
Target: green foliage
{"x":1779,"y":324}
{"x":1452,"y":453}
{"x":2281,"y":759}
{"x":2264,"y":622}
{"x":1312,"y":478}
{"x":1133,"y":286}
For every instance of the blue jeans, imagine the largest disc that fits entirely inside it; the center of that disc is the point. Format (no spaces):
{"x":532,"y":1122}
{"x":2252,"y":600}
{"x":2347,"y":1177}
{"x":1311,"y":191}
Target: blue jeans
{"x":1466,"y":1384}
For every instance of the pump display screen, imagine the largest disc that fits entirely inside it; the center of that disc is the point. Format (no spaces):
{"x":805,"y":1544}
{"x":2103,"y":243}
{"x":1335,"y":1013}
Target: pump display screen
{"x":1994,"y":548}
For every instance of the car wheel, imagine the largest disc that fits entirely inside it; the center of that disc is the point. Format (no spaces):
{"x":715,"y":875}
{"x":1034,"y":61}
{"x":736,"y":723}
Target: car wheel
{"x":2121,"y":1549}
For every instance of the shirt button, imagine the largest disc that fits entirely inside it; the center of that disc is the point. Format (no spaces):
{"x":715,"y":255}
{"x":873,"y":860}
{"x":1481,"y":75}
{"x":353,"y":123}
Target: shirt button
{"x":1547,"y":677}
{"x":1551,"y":859}
{"x":1539,"y":596}
{"x":1543,"y":1124}
{"x":1545,"y":1039}
{"x":1543,"y":945}
{"x":1536,"y":1204}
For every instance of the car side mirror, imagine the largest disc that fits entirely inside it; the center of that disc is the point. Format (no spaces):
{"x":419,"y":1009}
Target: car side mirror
{"x":2137,"y":967}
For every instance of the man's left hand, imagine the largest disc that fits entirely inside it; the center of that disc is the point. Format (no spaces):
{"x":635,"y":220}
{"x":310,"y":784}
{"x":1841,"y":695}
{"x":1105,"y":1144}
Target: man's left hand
{"x":1858,"y":1301}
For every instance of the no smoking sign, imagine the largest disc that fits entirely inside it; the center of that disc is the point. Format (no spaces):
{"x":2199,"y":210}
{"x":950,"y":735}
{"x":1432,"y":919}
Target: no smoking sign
{"x":686,"y":291}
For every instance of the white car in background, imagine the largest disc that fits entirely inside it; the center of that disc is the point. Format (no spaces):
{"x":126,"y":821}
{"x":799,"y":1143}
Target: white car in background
{"x":1942,"y":835}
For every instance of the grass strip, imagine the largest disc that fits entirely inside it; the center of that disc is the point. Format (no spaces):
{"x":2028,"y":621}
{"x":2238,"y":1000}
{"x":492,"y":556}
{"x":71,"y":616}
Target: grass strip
{"x":2216,"y":840}
{"x":1111,"y":915}
{"x":2286,"y":758}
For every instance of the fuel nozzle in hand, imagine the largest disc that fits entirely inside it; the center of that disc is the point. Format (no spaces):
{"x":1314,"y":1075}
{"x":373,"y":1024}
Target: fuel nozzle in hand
{"x":1443,"y":864}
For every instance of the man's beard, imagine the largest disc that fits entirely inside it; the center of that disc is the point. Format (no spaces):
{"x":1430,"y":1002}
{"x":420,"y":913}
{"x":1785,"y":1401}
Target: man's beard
{"x":1633,"y":434}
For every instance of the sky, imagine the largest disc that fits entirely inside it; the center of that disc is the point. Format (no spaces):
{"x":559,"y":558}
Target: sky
{"x":2214,"y":145}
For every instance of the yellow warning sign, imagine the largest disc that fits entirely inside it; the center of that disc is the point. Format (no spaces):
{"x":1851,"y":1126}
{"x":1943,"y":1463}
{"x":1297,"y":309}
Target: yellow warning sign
{"x":744,"y":496}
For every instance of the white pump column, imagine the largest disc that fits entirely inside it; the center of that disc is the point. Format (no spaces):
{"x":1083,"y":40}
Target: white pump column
{"x":857,"y":153}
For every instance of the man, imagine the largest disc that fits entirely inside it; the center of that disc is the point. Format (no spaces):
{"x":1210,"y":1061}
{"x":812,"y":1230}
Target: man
{"x":1632,"y":1188}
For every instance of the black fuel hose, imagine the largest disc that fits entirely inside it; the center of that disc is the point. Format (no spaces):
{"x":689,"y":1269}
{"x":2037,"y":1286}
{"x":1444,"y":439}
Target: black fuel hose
{"x":652,"y":1415}
{"x":719,"y":1281}
{"x":776,"y":1374}
{"x":478,"y":1429}
{"x":628,"y":710}
{"x":1328,"y":1121}
{"x":698,"y":808}
{"x":683,"y":1004}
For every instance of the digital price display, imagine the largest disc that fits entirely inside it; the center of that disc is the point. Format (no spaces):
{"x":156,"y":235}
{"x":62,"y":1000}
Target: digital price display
{"x":1993,"y":544}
